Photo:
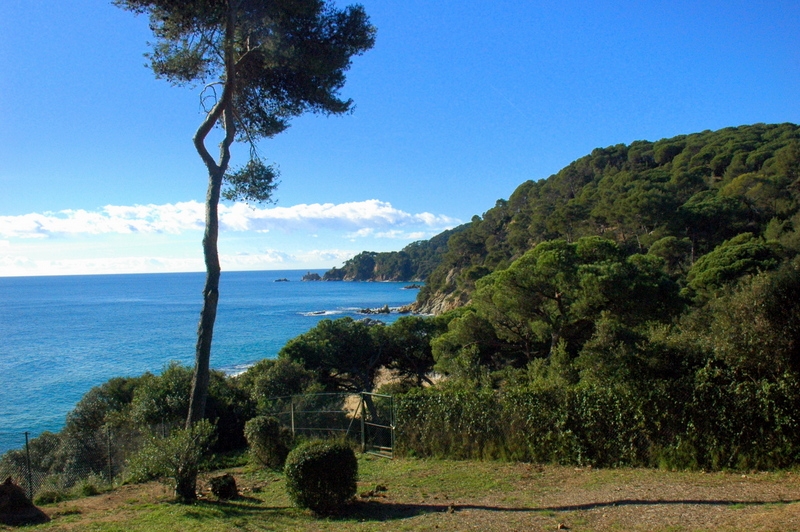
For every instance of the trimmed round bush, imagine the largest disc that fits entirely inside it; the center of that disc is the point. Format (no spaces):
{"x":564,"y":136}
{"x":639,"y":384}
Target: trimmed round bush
{"x":269,"y":441}
{"x":321,"y":476}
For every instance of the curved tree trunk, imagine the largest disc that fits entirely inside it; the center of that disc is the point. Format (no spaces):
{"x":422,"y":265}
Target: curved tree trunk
{"x":222,"y":110}
{"x":186,"y":490}
{"x":186,"y":484}
{"x":208,"y":315}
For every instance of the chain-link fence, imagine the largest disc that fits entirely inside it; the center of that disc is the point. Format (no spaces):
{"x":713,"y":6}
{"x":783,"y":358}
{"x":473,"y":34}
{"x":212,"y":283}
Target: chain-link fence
{"x":57,"y":462}
{"x":366,"y":418}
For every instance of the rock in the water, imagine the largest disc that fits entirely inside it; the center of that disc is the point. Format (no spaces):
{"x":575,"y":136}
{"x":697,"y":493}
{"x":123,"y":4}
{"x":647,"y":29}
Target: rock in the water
{"x":15,"y":507}
{"x":382,"y":310}
{"x":224,"y":487}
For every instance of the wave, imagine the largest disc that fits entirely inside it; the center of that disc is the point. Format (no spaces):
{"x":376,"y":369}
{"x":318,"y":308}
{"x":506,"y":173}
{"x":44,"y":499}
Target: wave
{"x":321,"y":313}
{"x":236,"y":370}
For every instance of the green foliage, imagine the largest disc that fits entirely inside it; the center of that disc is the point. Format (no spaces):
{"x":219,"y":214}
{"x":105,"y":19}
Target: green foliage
{"x":754,"y":328}
{"x":164,"y":398}
{"x":735,"y":423}
{"x":269,"y":441}
{"x":91,"y":486}
{"x":675,"y":252}
{"x":269,"y":380}
{"x":453,"y":423}
{"x":163,"y":401}
{"x":321,"y":476}
{"x":741,"y":255}
{"x":406,"y":346}
{"x":101,"y":402}
{"x":288,"y":57}
{"x":50,"y":496}
{"x":470,"y":344}
{"x":178,"y":456}
{"x":715,"y":390}
{"x":556,"y":292}
{"x":413,"y":263}
{"x":702,"y":189}
{"x":254,"y":182}
{"x":586,"y":425}
{"x":343,"y":353}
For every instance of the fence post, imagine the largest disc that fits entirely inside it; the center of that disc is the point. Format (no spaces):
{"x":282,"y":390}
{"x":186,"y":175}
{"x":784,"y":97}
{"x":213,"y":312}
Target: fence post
{"x":28,"y":464}
{"x":110,"y":464}
{"x":291,"y":402}
{"x":392,"y":419}
{"x":363,"y":426}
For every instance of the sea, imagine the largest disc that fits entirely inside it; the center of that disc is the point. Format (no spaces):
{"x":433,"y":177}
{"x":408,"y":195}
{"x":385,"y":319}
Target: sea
{"x":62,"y":335}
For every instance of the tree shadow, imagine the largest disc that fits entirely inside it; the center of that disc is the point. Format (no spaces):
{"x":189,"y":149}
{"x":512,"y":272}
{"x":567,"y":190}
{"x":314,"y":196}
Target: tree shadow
{"x":374,"y":510}
{"x":241,"y":506}
{"x":379,"y":510}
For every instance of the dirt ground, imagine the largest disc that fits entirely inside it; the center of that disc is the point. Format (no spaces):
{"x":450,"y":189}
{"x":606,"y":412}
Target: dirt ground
{"x":644,"y":500}
{"x":534,"y":498}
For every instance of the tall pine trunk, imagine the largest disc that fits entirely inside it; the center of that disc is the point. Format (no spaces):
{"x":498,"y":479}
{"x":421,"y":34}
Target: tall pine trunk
{"x":208,"y":314}
{"x":222,"y":110}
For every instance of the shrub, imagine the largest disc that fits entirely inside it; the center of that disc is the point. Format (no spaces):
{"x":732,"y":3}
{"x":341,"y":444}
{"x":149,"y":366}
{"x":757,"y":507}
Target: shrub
{"x":269,"y":441}
{"x":50,"y":496}
{"x":90,"y":486}
{"x":178,"y":456}
{"x":321,"y":476}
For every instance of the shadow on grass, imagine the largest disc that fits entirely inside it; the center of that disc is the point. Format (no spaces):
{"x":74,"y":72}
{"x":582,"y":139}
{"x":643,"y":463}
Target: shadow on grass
{"x":239,"y":507}
{"x":387,"y":511}
{"x":382,"y":510}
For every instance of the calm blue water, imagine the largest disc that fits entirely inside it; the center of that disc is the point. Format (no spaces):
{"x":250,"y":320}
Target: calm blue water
{"x":60,"y":336}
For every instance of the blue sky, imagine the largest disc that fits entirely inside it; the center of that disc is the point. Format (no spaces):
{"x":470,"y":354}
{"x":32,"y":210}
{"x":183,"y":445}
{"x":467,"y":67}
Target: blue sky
{"x":458,"y":103}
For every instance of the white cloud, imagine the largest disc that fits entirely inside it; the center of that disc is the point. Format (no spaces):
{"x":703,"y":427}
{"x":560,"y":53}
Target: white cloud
{"x":361,"y":233}
{"x":271,"y":259}
{"x":169,"y":218}
{"x":165,"y":238}
{"x":267,"y":259}
{"x":361,"y":219}
{"x":16,"y":266}
{"x":403,"y":235}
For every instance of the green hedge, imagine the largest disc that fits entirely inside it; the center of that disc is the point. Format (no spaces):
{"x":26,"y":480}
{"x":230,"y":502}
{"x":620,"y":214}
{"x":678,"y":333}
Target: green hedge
{"x":720,"y":424}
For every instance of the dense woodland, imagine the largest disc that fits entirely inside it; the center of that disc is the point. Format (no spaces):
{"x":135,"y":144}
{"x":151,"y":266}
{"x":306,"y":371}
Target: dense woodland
{"x":639,"y":307}
{"x":414,"y":262}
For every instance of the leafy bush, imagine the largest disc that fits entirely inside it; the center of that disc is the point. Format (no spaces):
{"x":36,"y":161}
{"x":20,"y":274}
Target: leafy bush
{"x":178,"y":456}
{"x":321,"y":476}
{"x":90,"y":486}
{"x":269,"y":441}
{"x":50,"y":496}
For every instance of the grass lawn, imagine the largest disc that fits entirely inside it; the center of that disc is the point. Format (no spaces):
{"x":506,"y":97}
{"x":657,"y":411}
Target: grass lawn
{"x":451,"y":495}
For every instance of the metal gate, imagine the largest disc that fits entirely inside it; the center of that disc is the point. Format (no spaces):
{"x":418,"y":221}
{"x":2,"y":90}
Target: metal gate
{"x":367,"y":418}
{"x":377,"y":424}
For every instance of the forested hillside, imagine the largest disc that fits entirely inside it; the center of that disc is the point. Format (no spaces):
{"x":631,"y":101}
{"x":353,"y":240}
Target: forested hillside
{"x":414,"y":262}
{"x":676,"y":198}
